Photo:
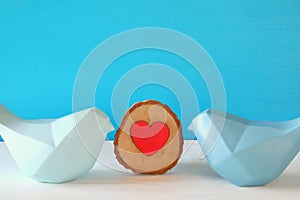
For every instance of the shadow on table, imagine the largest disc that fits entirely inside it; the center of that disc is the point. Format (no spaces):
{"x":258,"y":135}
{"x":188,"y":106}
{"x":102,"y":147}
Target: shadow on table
{"x":183,"y":171}
{"x":191,"y":171}
{"x":287,"y":181}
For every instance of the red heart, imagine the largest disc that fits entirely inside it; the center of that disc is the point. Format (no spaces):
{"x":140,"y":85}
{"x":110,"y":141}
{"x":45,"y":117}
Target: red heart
{"x":149,"y":139}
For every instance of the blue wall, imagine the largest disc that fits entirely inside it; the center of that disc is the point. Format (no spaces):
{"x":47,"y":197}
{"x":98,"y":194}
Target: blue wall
{"x":255,"y":44}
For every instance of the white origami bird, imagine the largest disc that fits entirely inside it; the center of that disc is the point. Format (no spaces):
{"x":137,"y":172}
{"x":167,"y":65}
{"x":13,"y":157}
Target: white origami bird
{"x":246,"y":153}
{"x":55,"y":150}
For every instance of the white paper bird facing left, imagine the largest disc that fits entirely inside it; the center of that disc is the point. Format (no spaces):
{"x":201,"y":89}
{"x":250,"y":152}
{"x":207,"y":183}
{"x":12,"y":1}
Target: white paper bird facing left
{"x":246,"y":152}
{"x":55,"y":150}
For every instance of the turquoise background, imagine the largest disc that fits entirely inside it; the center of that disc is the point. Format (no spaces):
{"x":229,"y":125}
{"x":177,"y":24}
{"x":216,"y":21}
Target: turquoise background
{"x":255,"y":44}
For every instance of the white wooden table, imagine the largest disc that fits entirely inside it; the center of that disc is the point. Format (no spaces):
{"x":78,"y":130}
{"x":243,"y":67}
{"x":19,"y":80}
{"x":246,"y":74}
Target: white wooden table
{"x":190,"y":179}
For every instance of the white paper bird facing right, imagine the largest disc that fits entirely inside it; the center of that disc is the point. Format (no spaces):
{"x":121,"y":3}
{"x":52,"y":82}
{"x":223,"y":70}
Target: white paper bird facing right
{"x":55,"y":150}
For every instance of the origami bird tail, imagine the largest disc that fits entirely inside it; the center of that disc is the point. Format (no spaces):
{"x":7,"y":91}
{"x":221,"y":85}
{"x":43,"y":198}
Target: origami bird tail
{"x":7,"y":120}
